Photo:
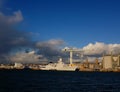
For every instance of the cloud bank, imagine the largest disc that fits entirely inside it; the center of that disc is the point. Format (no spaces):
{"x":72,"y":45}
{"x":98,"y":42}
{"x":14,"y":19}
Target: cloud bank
{"x":10,"y":38}
{"x":51,"y":49}
{"x":96,"y":50}
{"x":46,"y":51}
{"x":100,"y":48}
{"x":31,"y":57}
{"x":52,"y":44}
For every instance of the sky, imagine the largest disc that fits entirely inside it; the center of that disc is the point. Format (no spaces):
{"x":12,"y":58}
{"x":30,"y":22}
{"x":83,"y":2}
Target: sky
{"x":77,"y":22}
{"x":92,"y":25}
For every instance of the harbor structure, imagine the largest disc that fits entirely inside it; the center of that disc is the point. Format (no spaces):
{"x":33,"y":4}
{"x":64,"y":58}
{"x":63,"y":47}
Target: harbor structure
{"x":118,"y":59}
{"x":90,"y":66}
{"x":18,"y":65}
{"x":71,"y":50}
{"x":111,"y":62}
{"x":107,"y":62}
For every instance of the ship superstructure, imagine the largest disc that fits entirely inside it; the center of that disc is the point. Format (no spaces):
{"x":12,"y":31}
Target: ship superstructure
{"x":59,"y":66}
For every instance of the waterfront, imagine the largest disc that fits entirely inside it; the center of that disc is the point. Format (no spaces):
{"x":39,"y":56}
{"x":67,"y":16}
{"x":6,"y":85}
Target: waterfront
{"x":57,"y":81}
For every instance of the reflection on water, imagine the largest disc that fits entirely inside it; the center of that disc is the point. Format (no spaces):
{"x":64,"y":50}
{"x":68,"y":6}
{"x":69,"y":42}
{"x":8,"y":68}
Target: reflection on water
{"x":53,"y":81}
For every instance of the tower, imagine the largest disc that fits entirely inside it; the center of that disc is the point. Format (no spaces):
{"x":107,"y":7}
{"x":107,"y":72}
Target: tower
{"x":107,"y":62}
{"x":71,"y":50}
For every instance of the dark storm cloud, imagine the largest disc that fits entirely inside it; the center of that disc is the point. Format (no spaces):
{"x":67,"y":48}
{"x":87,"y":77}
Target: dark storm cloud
{"x":11,"y":38}
{"x":50,"y":49}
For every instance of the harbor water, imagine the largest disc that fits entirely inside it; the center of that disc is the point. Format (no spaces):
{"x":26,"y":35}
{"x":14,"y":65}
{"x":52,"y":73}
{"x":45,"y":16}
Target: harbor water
{"x":58,"y":81}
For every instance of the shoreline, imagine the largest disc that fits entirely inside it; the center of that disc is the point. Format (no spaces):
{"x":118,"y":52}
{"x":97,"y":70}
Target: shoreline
{"x":54,"y":70}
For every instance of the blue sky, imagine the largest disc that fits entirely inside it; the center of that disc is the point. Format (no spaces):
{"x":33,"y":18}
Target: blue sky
{"x":77,"y":22}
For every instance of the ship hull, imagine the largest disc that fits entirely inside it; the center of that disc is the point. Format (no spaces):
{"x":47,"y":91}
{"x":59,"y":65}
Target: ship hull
{"x":60,"y":68}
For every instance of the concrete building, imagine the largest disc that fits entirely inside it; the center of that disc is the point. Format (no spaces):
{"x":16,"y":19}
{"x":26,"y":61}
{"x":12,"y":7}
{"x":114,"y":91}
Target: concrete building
{"x":118,"y":61}
{"x":107,"y":62}
{"x":111,"y":61}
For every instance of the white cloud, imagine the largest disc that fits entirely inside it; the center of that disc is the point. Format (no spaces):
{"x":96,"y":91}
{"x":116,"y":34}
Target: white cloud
{"x":53,"y":43}
{"x":11,"y":19}
{"x":17,"y":17}
{"x":23,"y":57}
{"x":99,"y":48}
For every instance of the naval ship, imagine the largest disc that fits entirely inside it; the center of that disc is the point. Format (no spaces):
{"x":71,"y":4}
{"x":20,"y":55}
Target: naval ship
{"x":59,"y":66}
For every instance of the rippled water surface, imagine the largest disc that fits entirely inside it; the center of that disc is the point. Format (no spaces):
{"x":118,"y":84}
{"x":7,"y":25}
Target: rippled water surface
{"x":54,"y":81}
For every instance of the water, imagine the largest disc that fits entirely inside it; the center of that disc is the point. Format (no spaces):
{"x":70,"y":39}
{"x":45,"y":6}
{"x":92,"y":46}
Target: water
{"x":54,"y":81}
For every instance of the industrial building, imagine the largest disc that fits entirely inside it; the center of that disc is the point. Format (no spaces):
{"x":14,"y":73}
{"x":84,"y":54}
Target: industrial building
{"x":90,"y":66}
{"x":111,"y":62}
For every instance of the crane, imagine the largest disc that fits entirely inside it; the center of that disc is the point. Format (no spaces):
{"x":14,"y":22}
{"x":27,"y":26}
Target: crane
{"x":71,"y":50}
